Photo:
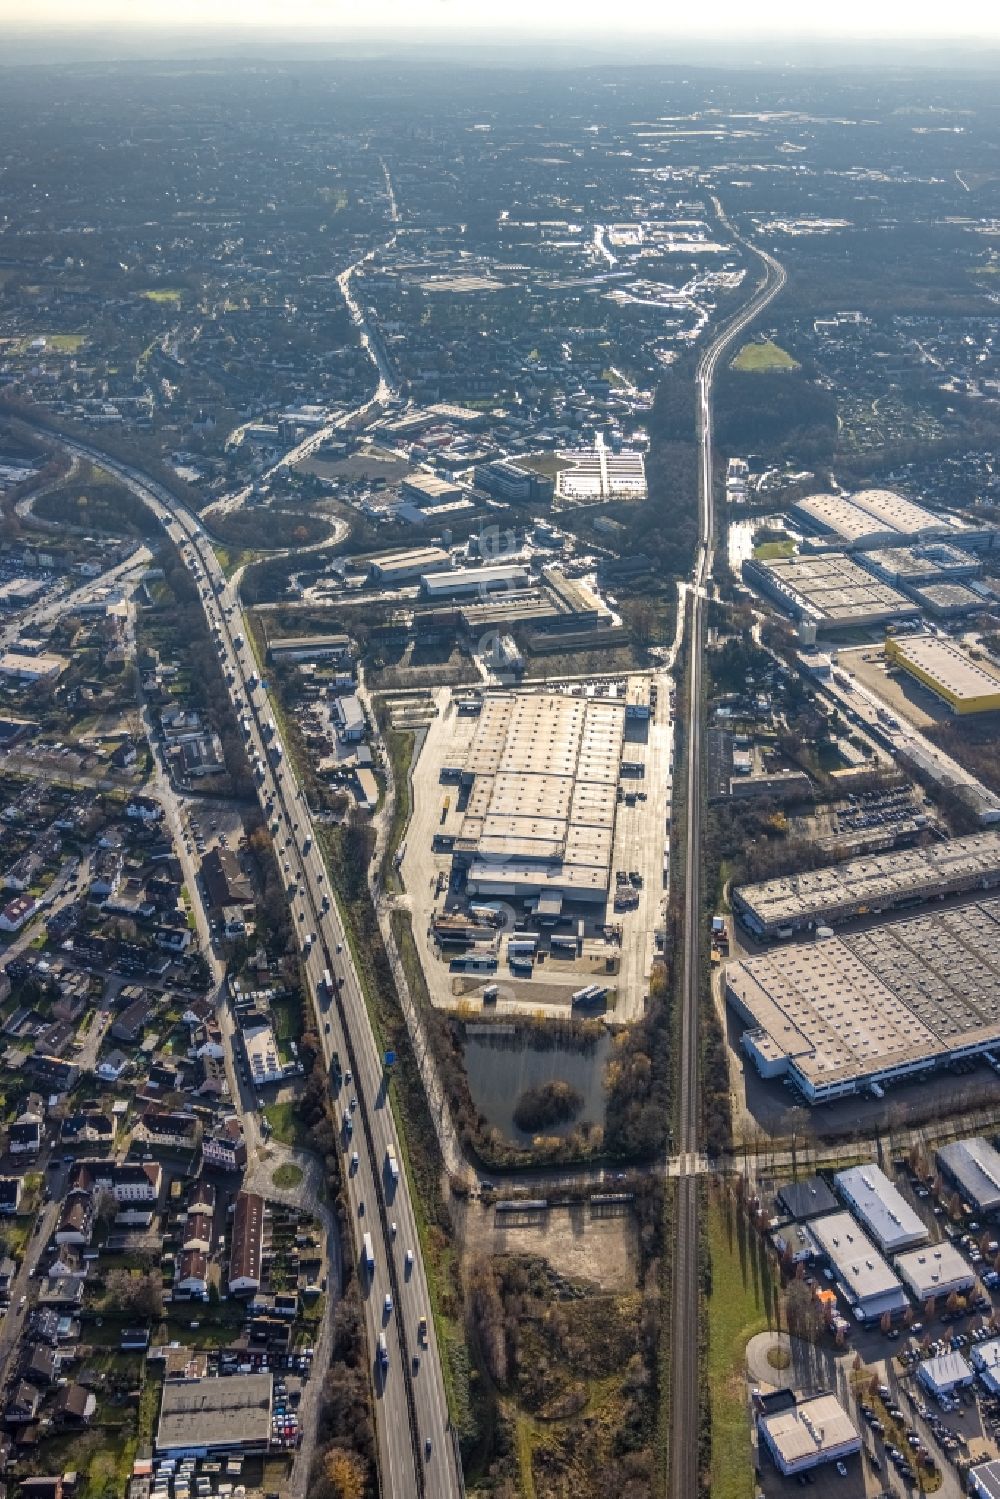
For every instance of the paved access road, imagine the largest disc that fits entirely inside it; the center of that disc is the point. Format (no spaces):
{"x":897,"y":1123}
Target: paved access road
{"x":684,"y":1383}
{"x":416,"y":1452}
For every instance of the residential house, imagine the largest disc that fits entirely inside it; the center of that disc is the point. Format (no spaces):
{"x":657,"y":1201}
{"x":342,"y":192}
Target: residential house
{"x":128,"y":1026}
{"x":17,"y":912}
{"x":197,"y":1233}
{"x":137,"y":1182}
{"x":55,"y":1074}
{"x":76,"y":1221}
{"x":22,"y":1407}
{"x":168,"y":1129}
{"x":247,"y":1248}
{"x":8,"y":1270}
{"x":74,"y":1406}
{"x":143,"y":809}
{"x":192,"y":1273}
{"x":224,"y":1147}
{"x":111,"y":1066}
{"x":24,"y":1137}
{"x":10,"y":1193}
{"x":40,"y":1365}
{"x":89,"y":1127}
{"x":107,"y":873}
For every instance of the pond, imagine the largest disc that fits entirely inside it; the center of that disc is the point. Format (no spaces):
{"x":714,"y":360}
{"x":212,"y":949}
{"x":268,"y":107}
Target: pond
{"x":500,"y":1067}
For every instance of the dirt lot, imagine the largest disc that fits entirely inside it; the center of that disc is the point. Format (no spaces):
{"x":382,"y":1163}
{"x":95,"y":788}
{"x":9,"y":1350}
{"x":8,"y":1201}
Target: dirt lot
{"x":580,"y":1242}
{"x":900,"y":692}
{"x":366,"y":463}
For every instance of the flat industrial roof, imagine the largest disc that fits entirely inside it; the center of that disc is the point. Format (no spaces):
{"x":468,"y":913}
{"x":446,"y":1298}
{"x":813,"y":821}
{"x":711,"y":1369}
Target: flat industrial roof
{"x":857,"y":1263}
{"x":921,"y":563}
{"x":215,"y":1413}
{"x":949,"y":665}
{"x":809,"y":1429}
{"x":544,"y":770}
{"x":873,"y":879}
{"x":934,"y":1269}
{"x":834,"y":588}
{"x":882,"y":1208}
{"x":975,"y":1166}
{"x":894,"y":994}
{"x":869,"y":513}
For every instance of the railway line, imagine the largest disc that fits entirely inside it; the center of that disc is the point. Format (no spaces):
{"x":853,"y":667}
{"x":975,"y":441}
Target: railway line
{"x":684,"y":1309}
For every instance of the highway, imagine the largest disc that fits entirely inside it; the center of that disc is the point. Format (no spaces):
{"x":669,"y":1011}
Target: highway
{"x":415,"y":1448}
{"x":684,"y":1308}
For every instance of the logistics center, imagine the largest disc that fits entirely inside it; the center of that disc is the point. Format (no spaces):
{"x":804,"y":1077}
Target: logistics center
{"x":967,"y":686}
{"x":542,"y":772}
{"x":842,"y":1015}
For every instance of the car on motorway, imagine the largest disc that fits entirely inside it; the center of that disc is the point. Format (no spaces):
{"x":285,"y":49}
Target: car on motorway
{"x":408,"y":1260}
{"x":387,"y":1305}
{"x":355,"y":1162}
{"x":428,"y":1445}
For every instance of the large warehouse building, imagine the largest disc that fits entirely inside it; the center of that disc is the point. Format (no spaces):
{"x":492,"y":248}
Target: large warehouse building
{"x":793,"y":903}
{"x":404,"y":567}
{"x":543,"y":770}
{"x":841,"y":1015}
{"x":967,"y":686}
{"x":870,"y":518}
{"x":829,"y":590}
{"x":461,"y":582}
{"x":203,"y":1416}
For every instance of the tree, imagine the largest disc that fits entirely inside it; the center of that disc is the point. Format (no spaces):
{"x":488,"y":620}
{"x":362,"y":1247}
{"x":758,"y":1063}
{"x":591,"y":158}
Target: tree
{"x":345,"y":1473}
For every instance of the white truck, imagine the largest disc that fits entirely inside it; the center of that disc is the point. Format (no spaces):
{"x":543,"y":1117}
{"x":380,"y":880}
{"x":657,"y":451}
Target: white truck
{"x":392,"y":1165}
{"x":367,"y":1253}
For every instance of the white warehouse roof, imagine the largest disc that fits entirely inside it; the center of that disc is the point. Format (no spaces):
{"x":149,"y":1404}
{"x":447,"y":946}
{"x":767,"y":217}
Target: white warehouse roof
{"x":868,"y":1281}
{"x":935,"y":1270}
{"x":812,"y":1432}
{"x":881,"y":1207}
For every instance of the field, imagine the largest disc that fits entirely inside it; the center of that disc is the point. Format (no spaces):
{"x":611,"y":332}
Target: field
{"x":169,"y":294}
{"x":763,"y":359}
{"x":771,"y":549}
{"x":285,"y":1120}
{"x":61,"y":343}
{"x":739,"y":1306}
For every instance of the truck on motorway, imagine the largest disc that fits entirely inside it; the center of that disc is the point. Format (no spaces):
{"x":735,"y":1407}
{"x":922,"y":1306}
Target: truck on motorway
{"x":392,"y":1165}
{"x":383,"y":1351}
{"x":326,"y":981}
{"x":367,"y":1253}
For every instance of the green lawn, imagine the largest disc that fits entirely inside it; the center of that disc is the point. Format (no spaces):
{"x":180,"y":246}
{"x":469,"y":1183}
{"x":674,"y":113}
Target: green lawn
{"x":763,"y":358}
{"x":163,"y":294}
{"x":549,"y":465}
{"x":768,"y":550}
{"x":738,"y":1308}
{"x":287,"y":1176}
{"x":62,"y":343}
{"x":286,"y":1122}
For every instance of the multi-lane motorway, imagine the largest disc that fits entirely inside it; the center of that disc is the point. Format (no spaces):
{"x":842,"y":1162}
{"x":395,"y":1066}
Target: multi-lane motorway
{"x":415,"y":1448}
{"x":684,"y":1384}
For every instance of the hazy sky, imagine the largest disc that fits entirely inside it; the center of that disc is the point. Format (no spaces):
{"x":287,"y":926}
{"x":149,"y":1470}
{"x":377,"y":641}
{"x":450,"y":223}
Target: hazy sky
{"x":883,"y":18}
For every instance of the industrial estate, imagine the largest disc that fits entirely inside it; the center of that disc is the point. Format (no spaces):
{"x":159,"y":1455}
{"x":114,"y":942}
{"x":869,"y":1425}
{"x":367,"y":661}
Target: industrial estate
{"x":499,"y":783}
